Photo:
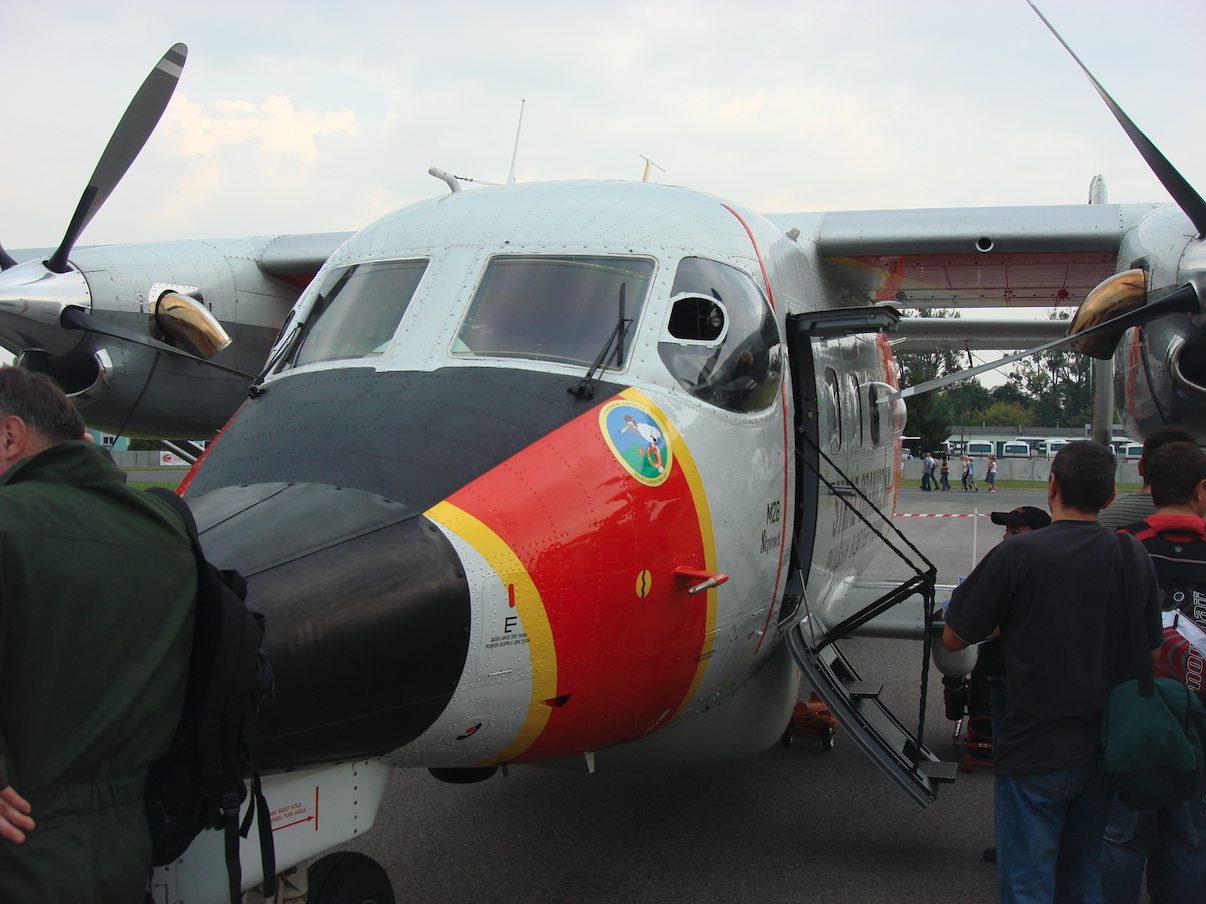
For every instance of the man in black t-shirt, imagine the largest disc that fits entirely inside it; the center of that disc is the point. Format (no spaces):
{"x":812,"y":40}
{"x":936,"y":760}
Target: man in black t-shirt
{"x":1056,"y":598}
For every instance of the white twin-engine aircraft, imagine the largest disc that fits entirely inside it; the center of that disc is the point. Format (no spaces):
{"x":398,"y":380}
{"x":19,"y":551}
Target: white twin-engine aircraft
{"x":536,"y":475}
{"x":579,"y":474}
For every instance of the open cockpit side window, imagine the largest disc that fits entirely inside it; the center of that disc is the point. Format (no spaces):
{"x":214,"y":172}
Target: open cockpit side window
{"x":356,"y":312}
{"x":724,"y":347}
{"x":561,"y":309}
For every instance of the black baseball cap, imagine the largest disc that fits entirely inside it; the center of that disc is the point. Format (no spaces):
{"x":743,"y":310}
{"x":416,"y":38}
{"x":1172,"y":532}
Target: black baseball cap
{"x":1022,"y":516}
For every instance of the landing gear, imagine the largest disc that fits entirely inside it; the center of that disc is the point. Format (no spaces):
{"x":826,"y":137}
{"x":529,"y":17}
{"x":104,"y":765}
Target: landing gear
{"x":347,"y":877}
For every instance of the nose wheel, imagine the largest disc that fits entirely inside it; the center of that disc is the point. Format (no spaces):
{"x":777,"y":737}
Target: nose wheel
{"x":347,"y":877}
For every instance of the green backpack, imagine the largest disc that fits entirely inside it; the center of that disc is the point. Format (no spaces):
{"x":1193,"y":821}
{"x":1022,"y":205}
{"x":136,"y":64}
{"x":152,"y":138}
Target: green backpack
{"x":1153,"y":729}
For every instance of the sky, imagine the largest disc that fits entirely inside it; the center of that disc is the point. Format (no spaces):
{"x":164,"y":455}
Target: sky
{"x":314,"y":116}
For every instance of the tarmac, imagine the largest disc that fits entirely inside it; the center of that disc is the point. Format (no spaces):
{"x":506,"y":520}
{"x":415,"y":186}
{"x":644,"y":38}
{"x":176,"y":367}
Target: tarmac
{"x":792,"y":824}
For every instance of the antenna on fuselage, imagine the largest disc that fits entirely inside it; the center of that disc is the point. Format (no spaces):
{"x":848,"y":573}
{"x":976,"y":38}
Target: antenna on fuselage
{"x":648,"y":163}
{"x":515,"y":151}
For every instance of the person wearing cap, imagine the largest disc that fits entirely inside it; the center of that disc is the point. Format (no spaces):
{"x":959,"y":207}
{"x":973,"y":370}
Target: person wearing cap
{"x":1135,"y":506}
{"x":990,"y":665}
{"x":1021,"y":520}
{"x":1058,"y":602}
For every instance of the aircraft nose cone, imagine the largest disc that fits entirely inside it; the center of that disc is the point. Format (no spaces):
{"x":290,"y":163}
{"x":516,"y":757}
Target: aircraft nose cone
{"x":367,"y":614}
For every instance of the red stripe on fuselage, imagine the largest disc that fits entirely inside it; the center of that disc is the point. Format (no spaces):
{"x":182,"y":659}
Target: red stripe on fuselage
{"x":585,"y":529}
{"x":783,"y":402}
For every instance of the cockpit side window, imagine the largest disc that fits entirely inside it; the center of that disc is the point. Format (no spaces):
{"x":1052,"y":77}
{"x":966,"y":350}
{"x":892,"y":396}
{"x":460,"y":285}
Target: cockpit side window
{"x":725,"y":346}
{"x":356,"y":312}
{"x":547,"y":308}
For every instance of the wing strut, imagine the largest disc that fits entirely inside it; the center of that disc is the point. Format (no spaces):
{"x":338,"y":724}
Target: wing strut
{"x":1183,"y":300}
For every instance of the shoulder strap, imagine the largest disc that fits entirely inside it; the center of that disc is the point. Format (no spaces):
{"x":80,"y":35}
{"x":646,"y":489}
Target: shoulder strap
{"x":181,"y":508}
{"x":1140,"y":529}
{"x":1134,"y":606}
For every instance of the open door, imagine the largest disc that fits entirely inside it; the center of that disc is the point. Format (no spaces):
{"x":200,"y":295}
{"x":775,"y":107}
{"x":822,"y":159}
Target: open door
{"x":855,"y":703}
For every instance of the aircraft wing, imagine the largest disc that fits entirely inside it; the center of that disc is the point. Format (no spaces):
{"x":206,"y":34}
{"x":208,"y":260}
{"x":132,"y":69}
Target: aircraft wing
{"x":968,"y":257}
{"x":296,"y":258}
{"x":292,"y":258}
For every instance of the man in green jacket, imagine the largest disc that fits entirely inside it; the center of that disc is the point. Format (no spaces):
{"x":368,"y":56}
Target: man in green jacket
{"x":97,"y":588}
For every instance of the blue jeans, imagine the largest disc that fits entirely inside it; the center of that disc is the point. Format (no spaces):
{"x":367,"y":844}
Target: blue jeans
{"x":1128,"y":839}
{"x":1049,"y":834}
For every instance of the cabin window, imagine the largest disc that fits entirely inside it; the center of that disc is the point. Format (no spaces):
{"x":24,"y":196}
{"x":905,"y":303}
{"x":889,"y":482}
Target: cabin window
{"x":563,"y":309}
{"x":858,"y":411}
{"x":873,"y":412}
{"x":724,"y":344}
{"x":357,"y":311}
{"x":832,"y":399}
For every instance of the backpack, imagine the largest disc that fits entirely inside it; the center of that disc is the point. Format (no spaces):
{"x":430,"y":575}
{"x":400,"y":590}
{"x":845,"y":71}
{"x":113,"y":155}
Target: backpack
{"x":199,"y":783}
{"x":1181,"y":566}
{"x":1153,"y":730}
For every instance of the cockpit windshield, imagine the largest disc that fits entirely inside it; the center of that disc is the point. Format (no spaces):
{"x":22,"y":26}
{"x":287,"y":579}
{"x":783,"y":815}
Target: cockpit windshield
{"x":553,"y":308}
{"x":724,"y":346}
{"x":357,"y":311}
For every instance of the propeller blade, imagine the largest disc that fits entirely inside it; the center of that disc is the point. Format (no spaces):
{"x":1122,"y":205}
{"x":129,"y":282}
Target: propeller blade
{"x":1183,"y":300}
{"x":1183,"y":193}
{"x":76,"y":319}
{"x":6,"y":259}
{"x":131,"y":134}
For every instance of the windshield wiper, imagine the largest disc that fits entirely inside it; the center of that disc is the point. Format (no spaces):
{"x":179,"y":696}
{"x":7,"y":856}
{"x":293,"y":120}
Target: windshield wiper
{"x":586,"y":388}
{"x":257,"y":385}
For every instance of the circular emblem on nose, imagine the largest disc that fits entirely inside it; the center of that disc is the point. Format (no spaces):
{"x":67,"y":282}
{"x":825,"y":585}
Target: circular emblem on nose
{"x":638,"y":440}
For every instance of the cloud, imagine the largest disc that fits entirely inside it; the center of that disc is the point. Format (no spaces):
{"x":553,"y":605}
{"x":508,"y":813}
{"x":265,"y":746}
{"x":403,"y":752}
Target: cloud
{"x":285,"y":135}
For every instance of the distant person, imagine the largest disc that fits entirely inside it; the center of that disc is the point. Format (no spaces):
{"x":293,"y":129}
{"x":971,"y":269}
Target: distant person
{"x":971,"y":475}
{"x":944,"y":472}
{"x":1056,"y":599}
{"x":1135,"y":506}
{"x":96,"y":615}
{"x":964,"y":460}
{"x":1175,"y":537}
{"x":927,"y":472}
{"x":991,"y":474}
{"x":990,"y":665}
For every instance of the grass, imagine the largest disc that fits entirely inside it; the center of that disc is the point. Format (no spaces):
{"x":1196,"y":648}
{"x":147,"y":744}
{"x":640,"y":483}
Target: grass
{"x":146,"y":486}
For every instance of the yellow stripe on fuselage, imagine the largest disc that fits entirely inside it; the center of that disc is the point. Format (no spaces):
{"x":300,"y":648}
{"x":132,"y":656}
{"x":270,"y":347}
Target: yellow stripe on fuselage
{"x":682,"y":456}
{"x":535,"y":620}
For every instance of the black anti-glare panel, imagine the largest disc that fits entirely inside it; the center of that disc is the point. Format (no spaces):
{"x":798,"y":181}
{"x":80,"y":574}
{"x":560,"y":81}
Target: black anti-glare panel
{"x":366,"y":612}
{"x":413,"y":437}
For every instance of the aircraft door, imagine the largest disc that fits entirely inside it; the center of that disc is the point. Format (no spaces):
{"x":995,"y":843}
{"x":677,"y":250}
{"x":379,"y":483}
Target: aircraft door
{"x":855,"y":703}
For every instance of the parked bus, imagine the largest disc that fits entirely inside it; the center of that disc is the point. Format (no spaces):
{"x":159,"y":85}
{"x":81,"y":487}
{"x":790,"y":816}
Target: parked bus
{"x":1037,"y":444}
{"x":980,"y":449}
{"x":1015,"y":449}
{"x":1054,"y":445}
